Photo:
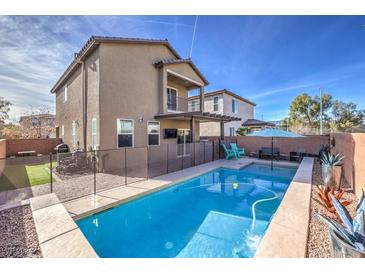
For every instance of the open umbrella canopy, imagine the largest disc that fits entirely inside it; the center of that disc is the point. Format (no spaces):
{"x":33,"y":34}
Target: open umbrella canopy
{"x":275,"y":133}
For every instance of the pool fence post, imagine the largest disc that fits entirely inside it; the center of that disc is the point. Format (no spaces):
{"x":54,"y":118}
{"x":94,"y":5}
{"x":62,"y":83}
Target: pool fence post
{"x":94,"y":166}
{"x":194,"y":153}
{"x":50,"y":171}
{"x":167,"y":159}
{"x":148,"y":163}
{"x":204,"y":152}
{"x":182,"y":156}
{"x":125,"y":166}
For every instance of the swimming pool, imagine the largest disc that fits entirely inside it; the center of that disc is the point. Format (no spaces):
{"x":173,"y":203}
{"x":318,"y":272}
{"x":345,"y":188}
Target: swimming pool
{"x":223,"y":213}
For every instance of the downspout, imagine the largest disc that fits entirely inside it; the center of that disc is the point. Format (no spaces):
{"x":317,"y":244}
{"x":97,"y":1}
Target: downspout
{"x":84,"y":103}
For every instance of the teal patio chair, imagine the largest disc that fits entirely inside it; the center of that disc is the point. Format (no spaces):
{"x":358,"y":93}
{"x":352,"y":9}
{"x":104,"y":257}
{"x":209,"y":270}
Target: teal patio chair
{"x":229,"y":153}
{"x":239,"y":151}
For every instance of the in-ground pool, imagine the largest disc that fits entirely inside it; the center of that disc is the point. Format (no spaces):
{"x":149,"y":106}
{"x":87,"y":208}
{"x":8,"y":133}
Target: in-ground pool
{"x":223,"y":213}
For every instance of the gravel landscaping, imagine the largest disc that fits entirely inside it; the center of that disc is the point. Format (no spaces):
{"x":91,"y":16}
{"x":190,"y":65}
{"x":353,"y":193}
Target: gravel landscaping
{"x":18,"y":237}
{"x":318,"y":239}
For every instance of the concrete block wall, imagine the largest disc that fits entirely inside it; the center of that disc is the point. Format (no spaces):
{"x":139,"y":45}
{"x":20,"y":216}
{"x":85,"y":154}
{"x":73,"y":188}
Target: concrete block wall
{"x":2,"y":148}
{"x":40,"y":146}
{"x":352,"y":146}
{"x":308,"y":144}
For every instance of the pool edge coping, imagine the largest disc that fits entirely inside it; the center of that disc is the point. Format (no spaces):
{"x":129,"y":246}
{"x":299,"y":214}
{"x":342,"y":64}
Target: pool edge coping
{"x":58,"y":235}
{"x":287,"y":233}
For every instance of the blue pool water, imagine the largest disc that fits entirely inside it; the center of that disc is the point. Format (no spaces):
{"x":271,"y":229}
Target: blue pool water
{"x":208,"y":216}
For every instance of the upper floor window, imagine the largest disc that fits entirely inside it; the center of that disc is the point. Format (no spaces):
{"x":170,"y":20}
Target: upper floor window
{"x":232,"y":131}
{"x":171,"y":99}
{"x":153,"y":131}
{"x":125,"y":131}
{"x":63,"y":133}
{"x":194,"y":105}
{"x":65,"y":91}
{"x":234,"y":106}
{"x":215,"y":103}
{"x":94,"y":133}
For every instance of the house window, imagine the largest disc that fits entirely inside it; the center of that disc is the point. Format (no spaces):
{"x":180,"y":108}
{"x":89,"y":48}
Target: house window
{"x":232,"y":131}
{"x":63,"y":133}
{"x":215,"y":103}
{"x":153,"y":129}
{"x":194,"y":105}
{"x":234,"y":106}
{"x":94,"y":133}
{"x":125,"y":130}
{"x":74,"y":133}
{"x":65,"y":91}
{"x":171,"y":99}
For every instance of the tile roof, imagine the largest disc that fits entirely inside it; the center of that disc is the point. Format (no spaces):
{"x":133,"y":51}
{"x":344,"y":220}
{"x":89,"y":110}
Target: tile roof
{"x":255,"y":122}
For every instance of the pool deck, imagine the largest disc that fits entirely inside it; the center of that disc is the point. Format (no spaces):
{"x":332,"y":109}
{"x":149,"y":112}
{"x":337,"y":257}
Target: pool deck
{"x":287,"y":234}
{"x":91,"y":204}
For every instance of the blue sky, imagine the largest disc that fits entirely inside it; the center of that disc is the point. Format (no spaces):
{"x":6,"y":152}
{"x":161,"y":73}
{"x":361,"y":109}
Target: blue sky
{"x":267,"y":59}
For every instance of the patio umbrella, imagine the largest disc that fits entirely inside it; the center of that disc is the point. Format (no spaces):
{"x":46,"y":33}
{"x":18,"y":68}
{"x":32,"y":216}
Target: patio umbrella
{"x":274,"y":133}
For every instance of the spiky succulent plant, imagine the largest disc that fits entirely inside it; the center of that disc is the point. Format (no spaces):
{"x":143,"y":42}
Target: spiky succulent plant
{"x":352,"y":231}
{"x":332,"y":160}
{"x":324,"y":193}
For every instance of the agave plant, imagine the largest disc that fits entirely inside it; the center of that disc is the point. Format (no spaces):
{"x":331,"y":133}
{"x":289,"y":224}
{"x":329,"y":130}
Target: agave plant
{"x":325,"y":200}
{"x":352,"y":231}
{"x":332,"y":169}
{"x":332,"y":160}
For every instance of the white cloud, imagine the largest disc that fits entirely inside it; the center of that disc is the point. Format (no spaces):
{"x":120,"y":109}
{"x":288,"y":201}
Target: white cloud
{"x":35,"y":50}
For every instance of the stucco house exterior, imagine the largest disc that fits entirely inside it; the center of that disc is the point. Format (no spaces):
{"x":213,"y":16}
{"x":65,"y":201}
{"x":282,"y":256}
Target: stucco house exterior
{"x":127,"y":92}
{"x":223,"y":102}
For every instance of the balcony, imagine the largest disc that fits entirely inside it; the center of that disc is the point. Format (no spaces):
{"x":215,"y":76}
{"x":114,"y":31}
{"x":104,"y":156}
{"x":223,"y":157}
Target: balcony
{"x":180,"y":104}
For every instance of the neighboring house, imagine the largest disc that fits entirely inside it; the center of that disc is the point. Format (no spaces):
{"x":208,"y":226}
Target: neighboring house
{"x":254,"y":124}
{"x":223,"y":102}
{"x":37,"y":126}
{"x":124,"y":92}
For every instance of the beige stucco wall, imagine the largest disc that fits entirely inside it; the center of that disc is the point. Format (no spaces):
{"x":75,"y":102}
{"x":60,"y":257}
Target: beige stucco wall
{"x":185,"y":70}
{"x":212,"y":128}
{"x":2,"y":155}
{"x":93,"y":81}
{"x":352,"y":146}
{"x":2,"y":148}
{"x":182,"y":94}
{"x":71,"y":110}
{"x":244,"y":111}
{"x":129,"y":89}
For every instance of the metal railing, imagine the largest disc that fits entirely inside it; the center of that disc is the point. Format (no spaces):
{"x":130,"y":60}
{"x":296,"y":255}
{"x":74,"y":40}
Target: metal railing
{"x":175,"y":103}
{"x":78,"y":174}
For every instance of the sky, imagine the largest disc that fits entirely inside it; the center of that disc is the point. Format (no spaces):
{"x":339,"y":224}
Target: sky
{"x":266,"y":59}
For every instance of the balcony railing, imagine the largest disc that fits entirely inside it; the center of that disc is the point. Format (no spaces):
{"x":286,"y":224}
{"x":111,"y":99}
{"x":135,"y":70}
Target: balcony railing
{"x":180,"y":104}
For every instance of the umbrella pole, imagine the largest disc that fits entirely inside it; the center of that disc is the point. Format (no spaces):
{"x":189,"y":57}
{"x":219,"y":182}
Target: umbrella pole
{"x":272,"y":152}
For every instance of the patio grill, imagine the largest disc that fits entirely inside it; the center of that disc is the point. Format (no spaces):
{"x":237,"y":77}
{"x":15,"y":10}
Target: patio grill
{"x":62,"y":148}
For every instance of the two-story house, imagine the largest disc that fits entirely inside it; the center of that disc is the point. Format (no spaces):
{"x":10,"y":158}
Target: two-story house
{"x":124,"y":92}
{"x":223,"y":102}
